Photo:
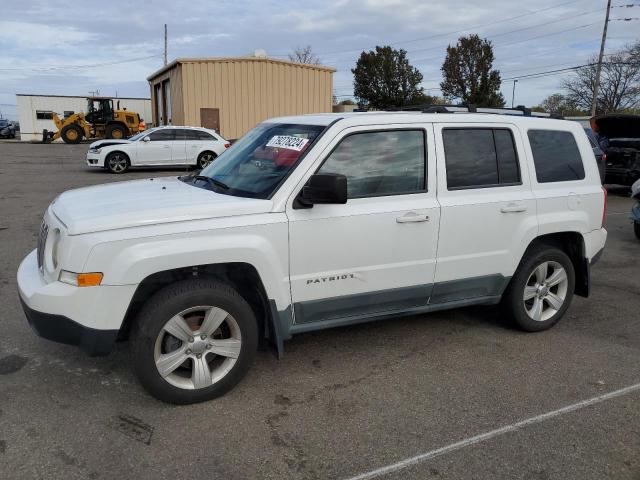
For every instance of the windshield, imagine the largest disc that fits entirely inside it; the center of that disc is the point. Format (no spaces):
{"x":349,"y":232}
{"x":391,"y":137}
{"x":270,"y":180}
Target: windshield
{"x":138,"y":136}
{"x":256,"y":164}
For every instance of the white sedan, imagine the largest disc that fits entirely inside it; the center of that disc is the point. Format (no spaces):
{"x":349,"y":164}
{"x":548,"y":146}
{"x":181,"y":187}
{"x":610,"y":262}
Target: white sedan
{"x":157,"y":147}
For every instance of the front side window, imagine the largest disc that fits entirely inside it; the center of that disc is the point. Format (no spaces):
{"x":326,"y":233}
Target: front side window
{"x":380,"y":163}
{"x":162,"y":135}
{"x":480,"y":157}
{"x":556,"y":156}
{"x":257,"y":163}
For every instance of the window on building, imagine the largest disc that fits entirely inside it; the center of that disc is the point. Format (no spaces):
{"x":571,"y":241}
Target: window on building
{"x":556,"y":156}
{"x":480,"y":157}
{"x":44,"y":115}
{"x":391,"y":162}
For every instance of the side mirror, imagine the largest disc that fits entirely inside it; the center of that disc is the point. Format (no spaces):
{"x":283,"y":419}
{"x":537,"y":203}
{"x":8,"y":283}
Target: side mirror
{"x":146,"y":139}
{"x":324,"y":188}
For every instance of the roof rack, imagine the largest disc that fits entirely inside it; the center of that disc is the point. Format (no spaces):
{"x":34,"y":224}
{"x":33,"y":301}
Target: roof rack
{"x":520,"y":110}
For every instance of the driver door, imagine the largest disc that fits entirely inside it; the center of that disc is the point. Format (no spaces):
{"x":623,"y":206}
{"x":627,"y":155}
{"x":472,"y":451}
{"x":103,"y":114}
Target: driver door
{"x":376,"y":254}
{"x":158,"y":150}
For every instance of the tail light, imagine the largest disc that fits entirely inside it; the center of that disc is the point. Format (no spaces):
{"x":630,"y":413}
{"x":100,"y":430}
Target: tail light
{"x":227,"y":145}
{"x":604,"y":206}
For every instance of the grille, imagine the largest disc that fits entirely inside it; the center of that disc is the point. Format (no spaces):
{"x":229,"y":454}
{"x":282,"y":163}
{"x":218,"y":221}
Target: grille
{"x":42,"y":240}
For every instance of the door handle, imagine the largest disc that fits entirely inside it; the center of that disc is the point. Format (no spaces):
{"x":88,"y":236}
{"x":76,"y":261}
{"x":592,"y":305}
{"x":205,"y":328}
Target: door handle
{"x":513,"y":208}
{"x":166,"y":146}
{"x":412,"y":218}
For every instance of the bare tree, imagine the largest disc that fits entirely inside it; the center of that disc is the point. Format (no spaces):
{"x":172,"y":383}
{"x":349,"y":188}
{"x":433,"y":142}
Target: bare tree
{"x":304,"y":55}
{"x":619,"y":83}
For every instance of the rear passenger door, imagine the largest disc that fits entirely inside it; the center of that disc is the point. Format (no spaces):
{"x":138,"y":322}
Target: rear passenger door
{"x":178,"y":147}
{"x":488,"y":209}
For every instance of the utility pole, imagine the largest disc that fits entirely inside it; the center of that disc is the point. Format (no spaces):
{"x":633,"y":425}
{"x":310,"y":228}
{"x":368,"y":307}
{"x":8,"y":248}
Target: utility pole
{"x":596,"y":85}
{"x":165,"y":42}
{"x":513,"y":93}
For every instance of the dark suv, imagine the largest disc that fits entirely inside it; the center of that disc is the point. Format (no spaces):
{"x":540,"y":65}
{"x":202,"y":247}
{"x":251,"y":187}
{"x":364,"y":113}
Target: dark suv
{"x":623,"y":152}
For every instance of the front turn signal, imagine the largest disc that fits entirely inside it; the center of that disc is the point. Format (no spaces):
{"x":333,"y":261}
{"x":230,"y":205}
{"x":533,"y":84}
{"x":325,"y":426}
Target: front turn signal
{"x":81,"y":279}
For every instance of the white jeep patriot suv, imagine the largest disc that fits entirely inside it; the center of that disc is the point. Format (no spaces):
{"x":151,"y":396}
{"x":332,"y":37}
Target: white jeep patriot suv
{"x":313,"y":222}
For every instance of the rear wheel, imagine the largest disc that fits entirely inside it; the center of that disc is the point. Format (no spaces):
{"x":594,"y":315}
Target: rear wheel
{"x":117,"y":162}
{"x":193,"y":341}
{"x":71,"y":134}
{"x":541,"y":290}
{"x":115,"y":131}
{"x":205,"y":158}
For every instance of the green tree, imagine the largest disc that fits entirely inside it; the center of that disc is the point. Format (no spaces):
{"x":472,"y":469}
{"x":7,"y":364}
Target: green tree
{"x":559,"y":104}
{"x":468,"y":74}
{"x":385,"y":78}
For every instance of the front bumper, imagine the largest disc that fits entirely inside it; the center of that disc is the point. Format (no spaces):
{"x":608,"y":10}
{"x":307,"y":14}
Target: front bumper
{"x":64,"y":330}
{"x":94,"y":160}
{"x":89,"y":317}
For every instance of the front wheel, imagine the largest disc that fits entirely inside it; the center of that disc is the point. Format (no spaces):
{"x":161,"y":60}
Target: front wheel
{"x":117,"y":162}
{"x":193,"y":341}
{"x":541,"y":290}
{"x":636,"y":229}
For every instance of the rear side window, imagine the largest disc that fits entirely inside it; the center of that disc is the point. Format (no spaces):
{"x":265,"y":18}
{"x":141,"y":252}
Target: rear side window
{"x":204,"y":136}
{"x":480,"y":157}
{"x":556,"y":156}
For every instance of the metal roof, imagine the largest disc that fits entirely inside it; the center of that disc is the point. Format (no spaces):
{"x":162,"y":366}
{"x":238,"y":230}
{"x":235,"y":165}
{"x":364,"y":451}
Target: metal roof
{"x":177,"y":61}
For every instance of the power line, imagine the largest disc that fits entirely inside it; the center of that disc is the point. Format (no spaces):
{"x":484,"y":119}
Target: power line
{"x":74,"y":67}
{"x":473,"y":27}
{"x":537,"y":37}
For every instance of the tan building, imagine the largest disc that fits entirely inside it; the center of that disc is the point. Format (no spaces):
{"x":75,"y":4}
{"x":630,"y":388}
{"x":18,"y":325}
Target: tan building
{"x":233,"y":95}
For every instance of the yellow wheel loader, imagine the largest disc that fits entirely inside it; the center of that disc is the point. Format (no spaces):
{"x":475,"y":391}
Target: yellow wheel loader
{"x":100,"y":121}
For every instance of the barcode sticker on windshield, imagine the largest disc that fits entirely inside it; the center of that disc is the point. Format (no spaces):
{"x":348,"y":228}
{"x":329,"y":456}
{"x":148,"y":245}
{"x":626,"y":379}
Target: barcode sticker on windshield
{"x":288,"y":142}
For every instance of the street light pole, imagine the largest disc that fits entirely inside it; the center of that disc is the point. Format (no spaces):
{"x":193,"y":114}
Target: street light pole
{"x":513,"y":94}
{"x":596,"y":85}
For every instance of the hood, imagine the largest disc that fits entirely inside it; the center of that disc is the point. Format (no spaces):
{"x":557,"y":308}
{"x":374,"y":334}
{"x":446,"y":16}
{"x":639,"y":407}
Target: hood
{"x":618,"y":126}
{"x":146,"y":202}
{"x":106,"y":143}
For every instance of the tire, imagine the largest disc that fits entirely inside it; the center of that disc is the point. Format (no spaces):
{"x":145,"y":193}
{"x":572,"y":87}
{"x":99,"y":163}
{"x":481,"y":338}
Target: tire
{"x":205,"y":159}
{"x":71,"y":134}
{"x":117,"y":162}
{"x":636,"y":229}
{"x":154,"y":348}
{"x":115,"y":131}
{"x":552,"y":300}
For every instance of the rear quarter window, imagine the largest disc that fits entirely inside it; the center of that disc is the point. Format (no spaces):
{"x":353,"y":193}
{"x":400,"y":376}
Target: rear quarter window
{"x":556,"y":156}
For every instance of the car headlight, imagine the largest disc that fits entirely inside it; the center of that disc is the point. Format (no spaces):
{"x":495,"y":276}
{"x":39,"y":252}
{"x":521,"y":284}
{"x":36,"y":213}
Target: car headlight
{"x":94,"y":150}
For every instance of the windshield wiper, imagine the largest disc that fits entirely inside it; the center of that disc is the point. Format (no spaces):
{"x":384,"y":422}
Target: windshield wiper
{"x":212,"y":181}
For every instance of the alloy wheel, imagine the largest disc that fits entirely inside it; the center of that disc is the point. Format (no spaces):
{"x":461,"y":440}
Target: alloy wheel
{"x":545,"y":291}
{"x":205,"y":160}
{"x":117,"y":163}
{"x":197,"y":347}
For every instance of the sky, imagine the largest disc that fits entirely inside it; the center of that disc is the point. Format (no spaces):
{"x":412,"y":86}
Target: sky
{"x":114,"y":46}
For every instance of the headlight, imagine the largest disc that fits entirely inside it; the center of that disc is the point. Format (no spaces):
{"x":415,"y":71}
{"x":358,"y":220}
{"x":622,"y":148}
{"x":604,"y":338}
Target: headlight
{"x":94,"y":150}
{"x":80,"y":279}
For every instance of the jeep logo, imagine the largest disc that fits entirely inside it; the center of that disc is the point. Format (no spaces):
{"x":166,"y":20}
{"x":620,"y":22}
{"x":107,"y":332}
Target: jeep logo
{"x":332,"y":278}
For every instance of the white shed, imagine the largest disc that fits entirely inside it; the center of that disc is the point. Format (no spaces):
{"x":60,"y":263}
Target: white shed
{"x":34,"y":111}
